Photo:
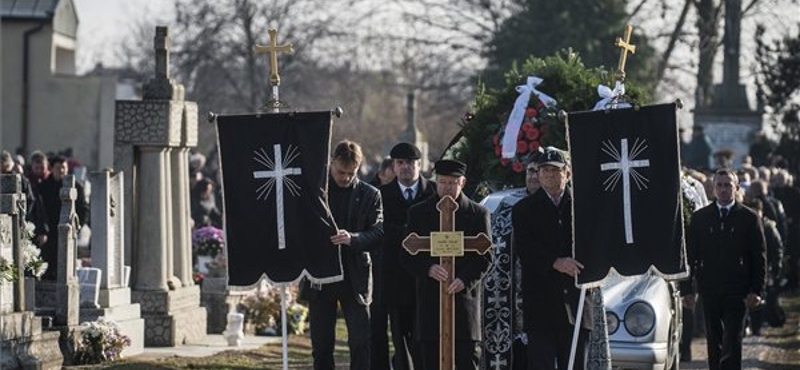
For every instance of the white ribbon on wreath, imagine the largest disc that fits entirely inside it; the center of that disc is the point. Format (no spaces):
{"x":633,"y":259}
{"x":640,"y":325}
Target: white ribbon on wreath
{"x":611,"y":98}
{"x":515,"y":118}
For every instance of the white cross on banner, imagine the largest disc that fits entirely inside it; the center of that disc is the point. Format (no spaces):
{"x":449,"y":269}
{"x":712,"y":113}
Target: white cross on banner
{"x":277,"y":176}
{"x":625,"y":167}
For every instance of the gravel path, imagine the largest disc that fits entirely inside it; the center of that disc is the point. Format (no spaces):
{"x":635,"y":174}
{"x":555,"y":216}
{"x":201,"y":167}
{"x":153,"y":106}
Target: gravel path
{"x":775,"y":349}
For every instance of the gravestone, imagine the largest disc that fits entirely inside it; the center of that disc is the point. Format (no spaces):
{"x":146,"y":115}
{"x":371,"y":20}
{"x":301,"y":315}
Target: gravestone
{"x":89,"y":282}
{"x":23,"y":344}
{"x":153,"y":137}
{"x":108,"y":255}
{"x":67,"y":288}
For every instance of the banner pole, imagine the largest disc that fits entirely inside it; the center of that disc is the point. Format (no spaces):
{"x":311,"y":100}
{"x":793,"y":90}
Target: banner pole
{"x":276,"y":107}
{"x":283,"y":328}
{"x":576,"y":331}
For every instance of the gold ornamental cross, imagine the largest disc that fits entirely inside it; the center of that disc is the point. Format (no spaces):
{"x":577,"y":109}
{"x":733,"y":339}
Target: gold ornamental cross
{"x":414,"y":244}
{"x":626,"y":47}
{"x":273,"y":49}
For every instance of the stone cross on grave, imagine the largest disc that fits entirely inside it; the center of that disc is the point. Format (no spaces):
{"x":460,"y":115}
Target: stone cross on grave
{"x":414,"y":244}
{"x":160,"y":85}
{"x":277,"y":175}
{"x":625,"y":167}
{"x":273,"y":49}
{"x":162,"y":44}
{"x":626,"y":47}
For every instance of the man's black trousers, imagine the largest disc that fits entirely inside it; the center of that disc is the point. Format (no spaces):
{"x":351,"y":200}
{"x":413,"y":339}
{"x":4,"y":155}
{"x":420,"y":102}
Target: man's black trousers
{"x":322,"y":314}
{"x":724,"y":330}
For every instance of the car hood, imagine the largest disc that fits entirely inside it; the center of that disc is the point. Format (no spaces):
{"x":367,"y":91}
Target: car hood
{"x":620,"y":292}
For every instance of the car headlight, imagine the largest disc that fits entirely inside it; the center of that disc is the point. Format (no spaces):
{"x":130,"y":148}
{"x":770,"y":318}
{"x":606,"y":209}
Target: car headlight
{"x":639,"y":319}
{"x":612,"y":322}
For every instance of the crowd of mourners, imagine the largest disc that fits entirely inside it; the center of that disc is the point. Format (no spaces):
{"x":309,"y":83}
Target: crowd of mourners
{"x":41,"y":182}
{"x":772,"y":193}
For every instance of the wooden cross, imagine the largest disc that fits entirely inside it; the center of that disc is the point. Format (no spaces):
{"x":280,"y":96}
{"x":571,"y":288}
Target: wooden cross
{"x":414,"y":244}
{"x":273,"y":49}
{"x":626,"y":47}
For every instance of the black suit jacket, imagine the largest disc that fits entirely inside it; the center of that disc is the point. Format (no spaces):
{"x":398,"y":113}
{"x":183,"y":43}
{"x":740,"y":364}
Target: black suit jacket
{"x":726,"y":258}
{"x":397,"y":286}
{"x":471,"y":218}
{"x":543,"y":233}
{"x":365,"y":224}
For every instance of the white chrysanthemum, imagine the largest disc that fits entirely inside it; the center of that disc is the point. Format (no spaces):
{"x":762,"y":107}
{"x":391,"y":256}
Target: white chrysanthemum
{"x":30,"y":229}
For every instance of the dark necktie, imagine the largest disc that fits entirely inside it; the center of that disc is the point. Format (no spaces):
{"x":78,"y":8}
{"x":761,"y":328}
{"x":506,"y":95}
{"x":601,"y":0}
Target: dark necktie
{"x":723,"y":216}
{"x":409,"y":195}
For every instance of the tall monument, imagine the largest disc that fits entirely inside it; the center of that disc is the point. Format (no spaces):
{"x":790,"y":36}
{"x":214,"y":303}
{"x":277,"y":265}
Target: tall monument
{"x":412,"y":134}
{"x":152,"y":141}
{"x":729,"y":122}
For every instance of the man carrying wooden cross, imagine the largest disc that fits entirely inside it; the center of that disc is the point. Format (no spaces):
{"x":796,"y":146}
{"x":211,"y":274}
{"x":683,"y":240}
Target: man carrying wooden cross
{"x":464,"y":285}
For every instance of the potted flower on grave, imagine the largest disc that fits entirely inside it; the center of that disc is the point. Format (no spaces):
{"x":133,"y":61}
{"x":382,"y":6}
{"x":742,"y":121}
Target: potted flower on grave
{"x":572,"y":87}
{"x":35,"y":266}
{"x":260,"y":310}
{"x":207,"y":244}
{"x":100,"y":341}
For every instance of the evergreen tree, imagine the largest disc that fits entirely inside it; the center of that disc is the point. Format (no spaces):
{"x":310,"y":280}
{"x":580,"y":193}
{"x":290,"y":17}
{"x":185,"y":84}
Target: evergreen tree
{"x":779,"y":89}
{"x":543,"y":27}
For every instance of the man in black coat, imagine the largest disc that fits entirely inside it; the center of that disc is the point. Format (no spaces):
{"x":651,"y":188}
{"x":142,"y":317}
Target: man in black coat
{"x":357,"y":210}
{"x":394,"y":288}
{"x":542,"y":225}
{"x":472,"y":219}
{"x":727,"y":256}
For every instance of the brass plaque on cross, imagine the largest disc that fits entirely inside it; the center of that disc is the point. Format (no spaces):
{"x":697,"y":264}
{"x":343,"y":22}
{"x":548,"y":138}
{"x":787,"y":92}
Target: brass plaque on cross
{"x":445,"y":241}
{"x":447,"y":244}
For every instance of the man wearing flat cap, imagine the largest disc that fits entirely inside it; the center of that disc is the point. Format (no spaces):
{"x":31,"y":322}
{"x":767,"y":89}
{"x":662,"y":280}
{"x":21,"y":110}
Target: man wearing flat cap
{"x":472,"y":219}
{"x":393,"y":297}
{"x":394,"y":290}
{"x":542,"y":224}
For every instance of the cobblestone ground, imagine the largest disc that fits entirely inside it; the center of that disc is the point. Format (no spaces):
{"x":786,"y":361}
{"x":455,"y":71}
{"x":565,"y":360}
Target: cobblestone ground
{"x":775,"y":349}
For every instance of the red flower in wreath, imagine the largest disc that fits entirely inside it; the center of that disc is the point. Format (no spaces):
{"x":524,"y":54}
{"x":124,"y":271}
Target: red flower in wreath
{"x":532,"y":134}
{"x":517,"y":167}
{"x":496,"y":139}
{"x":498,"y":151}
{"x":531,"y":112}
{"x":522,"y":147}
{"x":504,"y":162}
{"x":527,"y":126}
{"x":534,"y":146}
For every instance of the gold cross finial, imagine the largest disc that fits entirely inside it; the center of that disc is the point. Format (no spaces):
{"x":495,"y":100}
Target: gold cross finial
{"x":626,"y":47}
{"x":273,"y":49}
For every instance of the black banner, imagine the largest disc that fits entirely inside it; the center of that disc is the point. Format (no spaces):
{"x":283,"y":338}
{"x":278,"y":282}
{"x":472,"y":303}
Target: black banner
{"x":275,"y":177}
{"x":626,"y":193}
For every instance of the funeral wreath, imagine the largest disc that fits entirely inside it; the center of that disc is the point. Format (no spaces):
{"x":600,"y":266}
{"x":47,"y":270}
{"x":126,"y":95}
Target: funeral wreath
{"x":565,"y":84}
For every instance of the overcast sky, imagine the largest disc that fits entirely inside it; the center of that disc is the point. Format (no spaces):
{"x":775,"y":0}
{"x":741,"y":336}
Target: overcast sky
{"x":105,"y":23}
